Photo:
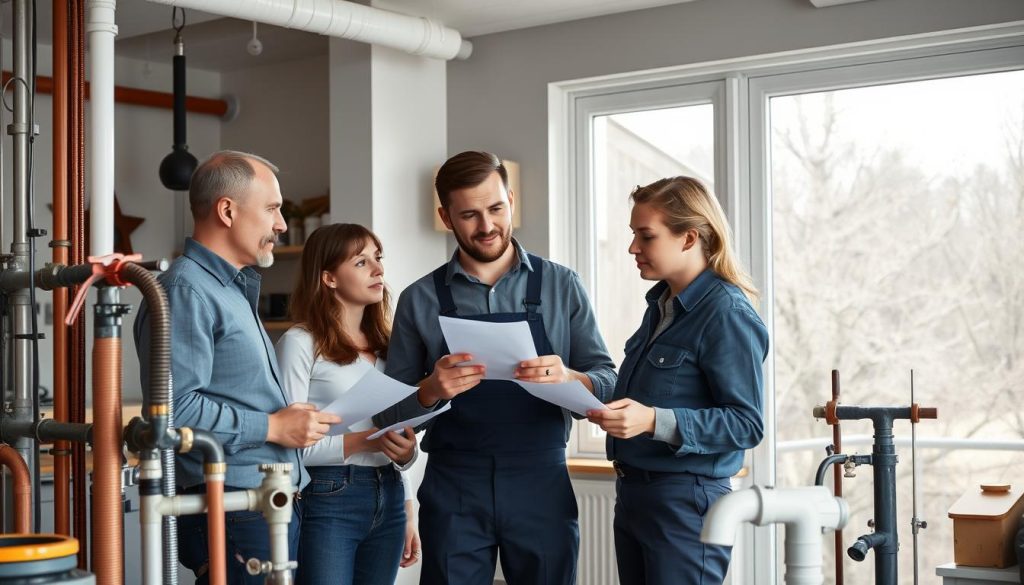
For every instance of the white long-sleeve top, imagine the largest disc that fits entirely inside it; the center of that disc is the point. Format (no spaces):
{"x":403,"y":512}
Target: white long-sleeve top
{"x":320,"y":382}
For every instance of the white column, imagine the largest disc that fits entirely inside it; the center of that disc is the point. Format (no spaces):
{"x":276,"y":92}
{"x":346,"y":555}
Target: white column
{"x":388,"y":122}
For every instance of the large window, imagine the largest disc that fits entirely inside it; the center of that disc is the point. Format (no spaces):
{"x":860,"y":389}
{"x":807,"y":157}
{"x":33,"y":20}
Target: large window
{"x":877,"y":197}
{"x":624,"y":140}
{"x":897,"y":221}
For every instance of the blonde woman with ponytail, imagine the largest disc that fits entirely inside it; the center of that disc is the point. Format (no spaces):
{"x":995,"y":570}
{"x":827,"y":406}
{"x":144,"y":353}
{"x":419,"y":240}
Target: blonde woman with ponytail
{"x":688,"y":400}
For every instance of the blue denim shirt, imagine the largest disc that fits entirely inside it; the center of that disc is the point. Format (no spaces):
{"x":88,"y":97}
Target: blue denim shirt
{"x":223,"y":365}
{"x":706,"y":367}
{"x":417,"y":342}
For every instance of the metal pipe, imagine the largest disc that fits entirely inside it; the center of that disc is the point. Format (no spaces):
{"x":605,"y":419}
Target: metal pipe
{"x":22,"y":483}
{"x":150,"y":518}
{"x":76,"y":203}
{"x":221,"y":108}
{"x":214,"y":470}
{"x":45,"y":431}
{"x":21,"y":309}
{"x":837,"y":459}
{"x":347,"y":20}
{"x":885,"y":540}
{"x":837,"y":481}
{"x":107,"y":517}
{"x":60,"y":245}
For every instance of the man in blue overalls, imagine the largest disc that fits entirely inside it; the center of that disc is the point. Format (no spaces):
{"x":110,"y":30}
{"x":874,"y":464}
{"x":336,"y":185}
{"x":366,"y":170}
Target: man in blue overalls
{"x":496,"y":478}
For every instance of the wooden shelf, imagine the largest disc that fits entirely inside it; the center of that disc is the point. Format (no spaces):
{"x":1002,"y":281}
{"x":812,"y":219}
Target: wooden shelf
{"x":288,"y":251}
{"x":272,"y":326}
{"x":596,"y":466}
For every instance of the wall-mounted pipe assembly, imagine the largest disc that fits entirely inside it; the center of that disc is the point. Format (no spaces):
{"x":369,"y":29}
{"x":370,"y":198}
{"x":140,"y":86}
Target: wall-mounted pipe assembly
{"x":346,"y":20}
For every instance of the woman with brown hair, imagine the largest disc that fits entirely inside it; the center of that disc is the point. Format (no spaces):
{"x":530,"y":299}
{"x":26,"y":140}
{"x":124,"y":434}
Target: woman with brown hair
{"x":688,"y":400}
{"x":357,"y":522}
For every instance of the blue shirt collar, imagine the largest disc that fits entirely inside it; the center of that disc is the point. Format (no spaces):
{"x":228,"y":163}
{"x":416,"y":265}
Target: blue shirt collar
{"x":692,"y":294}
{"x":455,"y":267}
{"x":218,"y":267}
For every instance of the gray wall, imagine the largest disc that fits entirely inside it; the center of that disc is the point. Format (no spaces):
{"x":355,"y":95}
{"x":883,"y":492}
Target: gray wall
{"x":497,"y":99}
{"x":283,"y":116}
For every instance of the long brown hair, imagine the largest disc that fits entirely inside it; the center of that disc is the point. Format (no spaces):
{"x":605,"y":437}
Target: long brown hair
{"x":315,"y":308}
{"x":687,"y":205}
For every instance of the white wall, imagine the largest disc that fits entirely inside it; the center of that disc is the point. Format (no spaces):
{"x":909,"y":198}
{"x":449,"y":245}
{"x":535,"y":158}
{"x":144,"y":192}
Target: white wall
{"x":497,"y":99}
{"x":143,"y":138}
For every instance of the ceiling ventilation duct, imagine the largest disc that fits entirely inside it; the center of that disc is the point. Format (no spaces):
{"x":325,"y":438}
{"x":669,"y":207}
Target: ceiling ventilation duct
{"x":347,"y":20}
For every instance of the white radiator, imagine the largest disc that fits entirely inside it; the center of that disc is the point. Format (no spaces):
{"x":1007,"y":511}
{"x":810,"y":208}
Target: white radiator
{"x":596,"y":501}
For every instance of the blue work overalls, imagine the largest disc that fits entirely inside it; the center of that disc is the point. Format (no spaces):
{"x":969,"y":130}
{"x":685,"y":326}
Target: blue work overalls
{"x":496,"y":477}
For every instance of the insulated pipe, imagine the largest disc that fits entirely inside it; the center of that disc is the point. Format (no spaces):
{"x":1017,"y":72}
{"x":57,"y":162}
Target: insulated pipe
{"x":107,"y":516}
{"x":101,"y":30}
{"x":804,"y":510}
{"x":22,"y":481}
{"x":60,"y":245}
{"x":347,"y":20}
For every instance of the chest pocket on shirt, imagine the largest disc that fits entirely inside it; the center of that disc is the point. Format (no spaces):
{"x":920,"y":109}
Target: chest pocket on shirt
{"x":665,"y":372}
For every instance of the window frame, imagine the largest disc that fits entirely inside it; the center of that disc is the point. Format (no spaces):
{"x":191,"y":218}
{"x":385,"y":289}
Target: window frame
{"x":742,"y":165}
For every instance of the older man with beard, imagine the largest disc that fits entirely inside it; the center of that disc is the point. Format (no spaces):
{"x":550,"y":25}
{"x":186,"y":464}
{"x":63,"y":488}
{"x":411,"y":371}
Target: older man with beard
{"x":224,"y":368}
{"x":496,"y":478}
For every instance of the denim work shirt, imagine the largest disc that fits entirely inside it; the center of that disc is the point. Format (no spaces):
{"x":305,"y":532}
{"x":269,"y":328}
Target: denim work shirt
{"x":706,"y":367}
{"x":417,"y":342}
{"x":223,"y":365}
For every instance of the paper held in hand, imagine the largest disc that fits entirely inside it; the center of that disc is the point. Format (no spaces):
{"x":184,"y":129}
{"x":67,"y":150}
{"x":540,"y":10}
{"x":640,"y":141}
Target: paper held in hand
{"x":412,"y":422}
{"x":371,"y":394}
{"x":497,"y":346}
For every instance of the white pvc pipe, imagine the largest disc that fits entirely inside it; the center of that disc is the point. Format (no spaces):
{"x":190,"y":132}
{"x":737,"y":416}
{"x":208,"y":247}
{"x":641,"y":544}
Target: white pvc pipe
{"x":347,"y":20}
{"x":804,"y":510}
{"x":187,"y":504}
{"x":101,"y":30}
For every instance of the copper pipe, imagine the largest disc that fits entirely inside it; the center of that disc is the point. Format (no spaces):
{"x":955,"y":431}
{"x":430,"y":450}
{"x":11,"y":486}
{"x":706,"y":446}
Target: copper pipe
{"x":141,"y":97}
{"x":837,"y":478}
{"x":215,"y":529}
{"x":22,"y":481}
{"x":107,"y":517}
{"x":61,"y":463}
{"x":76,"y":194}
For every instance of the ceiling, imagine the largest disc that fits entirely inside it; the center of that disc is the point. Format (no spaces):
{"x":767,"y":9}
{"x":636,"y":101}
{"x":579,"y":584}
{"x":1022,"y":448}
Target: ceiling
{"x":218,"y":44}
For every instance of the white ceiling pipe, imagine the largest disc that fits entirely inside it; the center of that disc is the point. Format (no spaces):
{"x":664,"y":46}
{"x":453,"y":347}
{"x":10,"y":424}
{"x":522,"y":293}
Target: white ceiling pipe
{"x":101,"y":30}
{"x":804,"y":510}
{"x":347,"y":20}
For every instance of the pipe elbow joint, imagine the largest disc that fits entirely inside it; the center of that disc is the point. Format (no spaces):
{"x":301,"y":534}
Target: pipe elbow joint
{"x":205,"y":442}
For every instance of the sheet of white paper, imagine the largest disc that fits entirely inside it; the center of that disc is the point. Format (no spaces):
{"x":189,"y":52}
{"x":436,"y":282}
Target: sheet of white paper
{"x":371,"y":394}
{"x":498,"y":346}
{"x":572,"y":396}
{"x":412,"y":422}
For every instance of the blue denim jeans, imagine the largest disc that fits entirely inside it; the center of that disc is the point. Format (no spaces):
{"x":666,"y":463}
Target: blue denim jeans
{"x":247,"y":537}
{"x":353,"y":526}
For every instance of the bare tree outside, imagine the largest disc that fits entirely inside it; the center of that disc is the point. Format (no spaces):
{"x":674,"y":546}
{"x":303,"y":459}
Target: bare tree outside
{"x":898,"y":244}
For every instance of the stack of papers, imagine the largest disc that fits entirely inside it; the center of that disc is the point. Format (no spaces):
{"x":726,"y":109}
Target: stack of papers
{"x":500,"y":347}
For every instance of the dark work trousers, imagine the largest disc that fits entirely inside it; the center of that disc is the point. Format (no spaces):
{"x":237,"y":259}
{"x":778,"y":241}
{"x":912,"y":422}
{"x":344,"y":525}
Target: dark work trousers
{"x":658,"y":519}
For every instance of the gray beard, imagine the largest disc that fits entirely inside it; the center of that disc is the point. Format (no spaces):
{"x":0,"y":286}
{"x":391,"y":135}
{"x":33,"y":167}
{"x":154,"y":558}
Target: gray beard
{"x":265,"y":260}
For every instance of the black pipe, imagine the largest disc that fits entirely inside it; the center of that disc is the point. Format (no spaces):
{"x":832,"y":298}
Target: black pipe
{"x":885,"y":540}
{"x":859,"y":550}
{"x":819,"y":477}
{"x":45,"y":431}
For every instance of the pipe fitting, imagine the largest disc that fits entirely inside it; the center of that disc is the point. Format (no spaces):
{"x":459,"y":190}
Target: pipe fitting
{"x":859,"y":550}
